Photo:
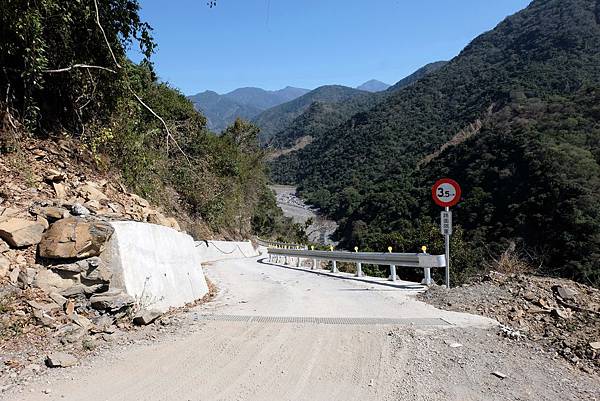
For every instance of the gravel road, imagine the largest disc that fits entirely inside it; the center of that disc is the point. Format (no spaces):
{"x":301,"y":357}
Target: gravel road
{"x":271,"y":353}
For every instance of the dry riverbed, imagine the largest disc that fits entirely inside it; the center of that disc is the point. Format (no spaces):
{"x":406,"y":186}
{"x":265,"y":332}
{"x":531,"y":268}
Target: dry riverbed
{"x":320,"y":230}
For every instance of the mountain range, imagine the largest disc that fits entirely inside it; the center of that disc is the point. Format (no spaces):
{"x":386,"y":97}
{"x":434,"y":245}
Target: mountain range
{"x":514,"y":118}
{"x":248,"y":103}
{"x":300,"y":121}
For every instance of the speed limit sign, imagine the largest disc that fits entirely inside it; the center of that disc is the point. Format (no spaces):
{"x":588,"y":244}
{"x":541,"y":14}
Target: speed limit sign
{"x":446,"y":192}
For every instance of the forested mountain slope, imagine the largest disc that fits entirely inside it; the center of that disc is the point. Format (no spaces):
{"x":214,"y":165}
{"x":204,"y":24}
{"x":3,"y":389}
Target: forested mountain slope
{"x":277,"y":118}
{"x":415,"y":76}
{"x":507,"y":85}
{"x":322,"y":116}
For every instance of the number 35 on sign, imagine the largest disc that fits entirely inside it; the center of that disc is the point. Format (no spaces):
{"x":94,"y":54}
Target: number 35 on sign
{"x":446,"y":192}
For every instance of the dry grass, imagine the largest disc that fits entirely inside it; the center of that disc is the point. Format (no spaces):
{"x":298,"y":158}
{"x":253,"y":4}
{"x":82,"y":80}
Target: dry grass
{"x":510,"y":262}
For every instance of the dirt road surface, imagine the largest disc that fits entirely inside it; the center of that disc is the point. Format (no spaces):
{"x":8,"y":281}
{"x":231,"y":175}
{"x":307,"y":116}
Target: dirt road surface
{"x":275,"y":333}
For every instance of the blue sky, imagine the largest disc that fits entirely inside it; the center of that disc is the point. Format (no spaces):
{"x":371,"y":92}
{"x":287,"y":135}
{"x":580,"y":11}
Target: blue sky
{"x":309,"y":43}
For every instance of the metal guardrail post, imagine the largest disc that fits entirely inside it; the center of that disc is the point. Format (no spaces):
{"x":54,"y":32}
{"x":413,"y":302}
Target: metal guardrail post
{"x":427,"y":274}
{"x":392,"y":268}
{"x":359,"y":272}
{"x":426,"y":270}
{"x":392,"y":273}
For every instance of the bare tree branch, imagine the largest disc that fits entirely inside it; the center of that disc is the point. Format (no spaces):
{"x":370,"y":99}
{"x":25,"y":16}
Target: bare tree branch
{"x":169,"y":135}
{"x":164,"y":125}
{"x":104,"y":34}
{"x":66,"y":69}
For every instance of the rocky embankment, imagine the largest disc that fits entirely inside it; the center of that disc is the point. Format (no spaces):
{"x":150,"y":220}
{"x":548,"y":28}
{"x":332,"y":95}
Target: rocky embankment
{"x":56,"y":297}
{"x":560,"y":316}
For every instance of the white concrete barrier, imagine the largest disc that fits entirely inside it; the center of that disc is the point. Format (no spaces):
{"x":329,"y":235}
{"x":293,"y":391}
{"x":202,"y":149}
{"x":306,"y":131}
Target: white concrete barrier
{"x":212,"y":251}
{"x":159,"y":266}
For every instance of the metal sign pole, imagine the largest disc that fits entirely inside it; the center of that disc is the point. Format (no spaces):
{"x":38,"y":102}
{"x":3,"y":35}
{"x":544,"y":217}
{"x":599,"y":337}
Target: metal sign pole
{"x":447,"y":241}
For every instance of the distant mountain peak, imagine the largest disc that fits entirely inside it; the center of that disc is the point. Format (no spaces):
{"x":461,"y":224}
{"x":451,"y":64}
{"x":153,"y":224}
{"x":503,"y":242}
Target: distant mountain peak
{"x":373,"y":85}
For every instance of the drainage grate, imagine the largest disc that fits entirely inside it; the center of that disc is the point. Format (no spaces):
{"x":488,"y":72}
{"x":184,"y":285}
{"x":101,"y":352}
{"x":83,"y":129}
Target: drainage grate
{"x":327,"y":320}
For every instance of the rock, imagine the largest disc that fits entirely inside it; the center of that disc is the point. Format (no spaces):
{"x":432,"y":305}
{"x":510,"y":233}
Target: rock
{"x":19,"y":232}
{"x":499,"y":374}
{"x":43,"y":319}
{"x":69,"y":308}
{"x":173,"y":223}
{"x":52,"y":212}
{"x":54,"y":176}
{"x":96,"y":270}
{"x":51,"y":282}
{"x":60,"y":190}
{"x":60,"y":360}
{"x":4,"y":266}
{"x":160,"y":219}
{"x":93,"y":205}
{"x":81,"y":321}
{"x":595,"y":345}
{"x":43,"y":221}
{"x":44,"y":307}
{"x":14,"y":275}
{"x":113,"y":300}
{"x":26,"y":276}
{"x":90,"y":192}
{"x":3,"y":246}
{"x":75,"y":238}
{"x":59,"y":299}
{"x":91,"y":269}
{"x":117,"y":208}
{"x":565,"y":292}
{"x":145,"y":317}
{"x":7,"y":212}
{"x":560,"y":313}
{"x":82,"y":290}
{"x":79,"y":210}
{"x":139,"y":200}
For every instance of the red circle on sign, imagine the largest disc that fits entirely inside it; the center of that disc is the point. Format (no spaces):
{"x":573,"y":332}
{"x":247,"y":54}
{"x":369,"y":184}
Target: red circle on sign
{"x":446,"y":192}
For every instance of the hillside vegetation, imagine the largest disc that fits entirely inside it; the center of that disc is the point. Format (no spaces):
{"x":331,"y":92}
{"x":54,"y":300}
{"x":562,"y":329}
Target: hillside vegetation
{"x":514,"y":118}
{"x":327,"y":113}
{"x":65,"y":72}
{"x":277,"y":118}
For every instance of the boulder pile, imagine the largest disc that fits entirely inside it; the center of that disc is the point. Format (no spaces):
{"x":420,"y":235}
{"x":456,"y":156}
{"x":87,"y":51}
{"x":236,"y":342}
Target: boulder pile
{"x":55,"y":290}
{"x":561,"y":315}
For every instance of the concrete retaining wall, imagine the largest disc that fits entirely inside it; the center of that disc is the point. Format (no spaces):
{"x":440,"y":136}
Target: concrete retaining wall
{"x":157,"y":265}
{"x":211,"y":251}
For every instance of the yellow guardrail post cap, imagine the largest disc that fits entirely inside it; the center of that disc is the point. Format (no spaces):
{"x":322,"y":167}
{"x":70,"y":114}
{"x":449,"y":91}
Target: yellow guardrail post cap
{"x":355,"y":249}
{"x":331,"y":248}
{"x":424,"y":249}
{"x":390,"y":249}
{"x":312,"y":247}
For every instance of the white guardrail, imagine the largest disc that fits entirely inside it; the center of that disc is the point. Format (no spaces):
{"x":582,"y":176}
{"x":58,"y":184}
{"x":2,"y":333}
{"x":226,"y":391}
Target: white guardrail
{"x":298,"y":252}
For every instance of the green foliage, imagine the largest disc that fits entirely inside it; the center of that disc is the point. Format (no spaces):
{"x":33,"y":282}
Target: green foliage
{"x":535,"y":181}
{"x":328,"y":110}
{"x":277,"y":118}
{"x":530,"y":173}
{"x":219,"y":180}
{"x":49,"y":35}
